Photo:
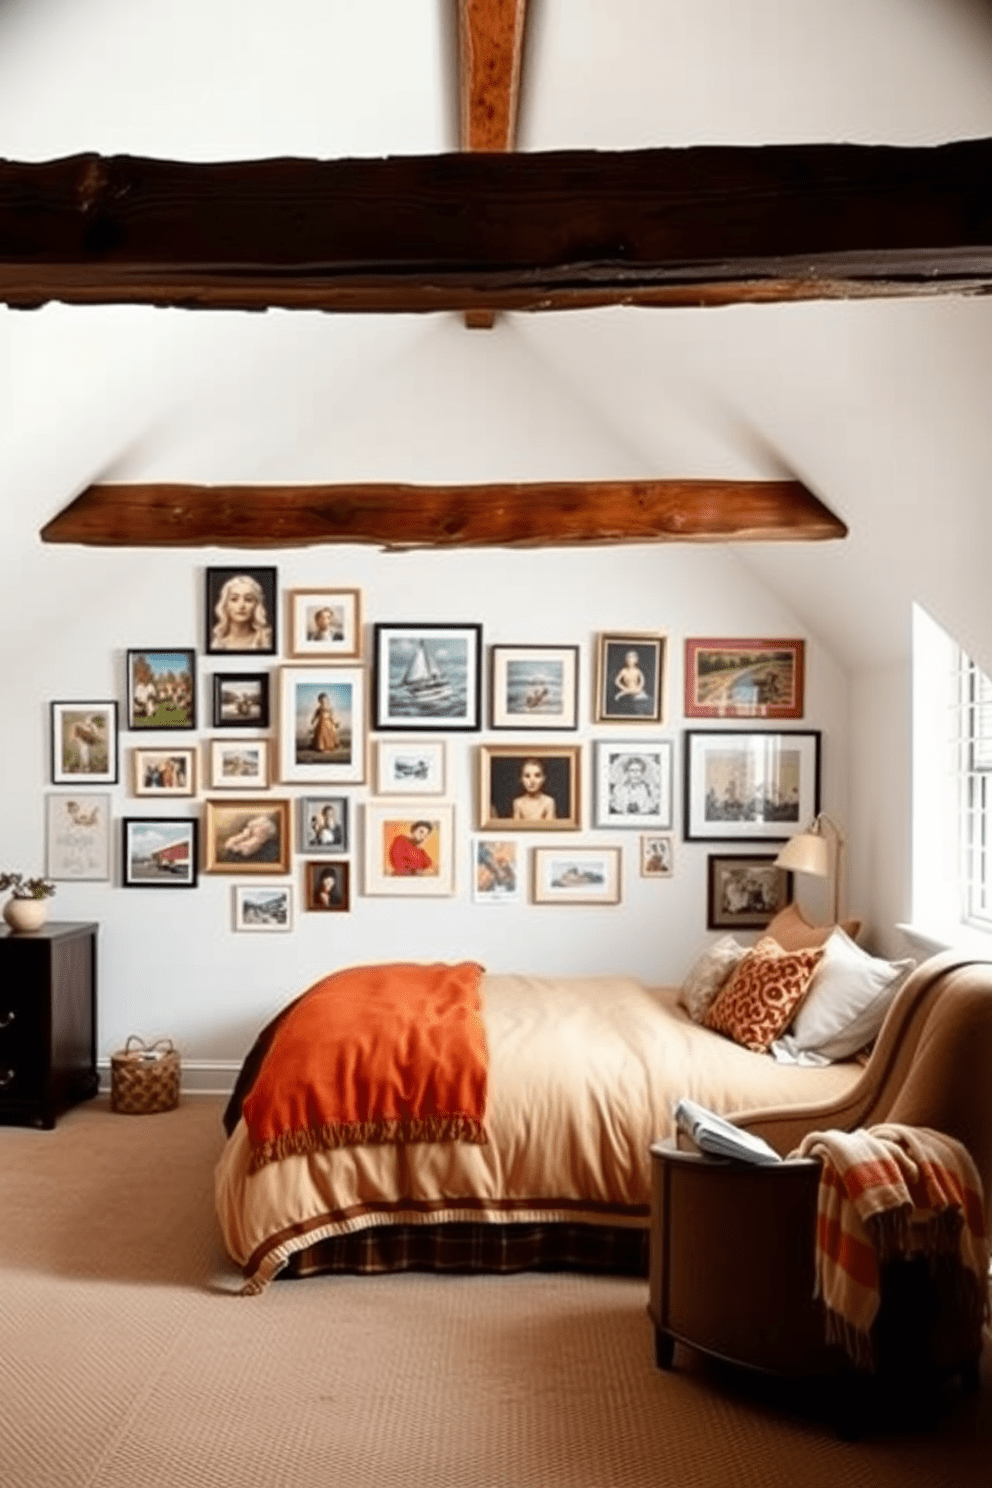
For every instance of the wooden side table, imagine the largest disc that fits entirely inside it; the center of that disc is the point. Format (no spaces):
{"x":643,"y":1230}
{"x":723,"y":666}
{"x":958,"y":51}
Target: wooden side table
{"x":47,"y":1021}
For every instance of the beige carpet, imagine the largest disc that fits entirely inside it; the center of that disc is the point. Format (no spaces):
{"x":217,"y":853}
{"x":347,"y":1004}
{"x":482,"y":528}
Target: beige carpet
{"x":127,"y":1360}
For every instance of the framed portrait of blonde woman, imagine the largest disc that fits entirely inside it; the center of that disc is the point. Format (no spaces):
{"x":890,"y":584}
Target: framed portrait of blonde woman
{"x":240,"y":617}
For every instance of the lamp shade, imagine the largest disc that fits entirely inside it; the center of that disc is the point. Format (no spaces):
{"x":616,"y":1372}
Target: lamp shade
{"x":807,"y":852}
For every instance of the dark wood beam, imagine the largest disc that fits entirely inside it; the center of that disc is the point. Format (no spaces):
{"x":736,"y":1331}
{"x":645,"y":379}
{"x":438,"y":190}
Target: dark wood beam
{"x":490,"y":47}
{"x":405,"y":516}
{"x":476,"y":231}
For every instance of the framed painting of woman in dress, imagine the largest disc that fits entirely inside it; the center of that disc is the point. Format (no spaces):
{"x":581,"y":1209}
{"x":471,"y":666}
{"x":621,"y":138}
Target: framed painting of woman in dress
{"x":322,"y":724}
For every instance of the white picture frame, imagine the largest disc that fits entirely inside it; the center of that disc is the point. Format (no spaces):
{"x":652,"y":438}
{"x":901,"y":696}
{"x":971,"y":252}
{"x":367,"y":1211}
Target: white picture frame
{"x":533,"y":687}
{"x":322,"y":725}
{"x":411,"y":767}
{"x":497,"y":870}
{"x":263,"y":908}
{"x":239,"y":764}
{"x":402,"y":859}
{"x":78,"y":837}
{"x":633,"y":784}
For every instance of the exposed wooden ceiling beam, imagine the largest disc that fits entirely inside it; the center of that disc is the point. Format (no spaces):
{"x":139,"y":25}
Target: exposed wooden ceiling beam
{"x":494,"y":231}
{"x":406,"y":516}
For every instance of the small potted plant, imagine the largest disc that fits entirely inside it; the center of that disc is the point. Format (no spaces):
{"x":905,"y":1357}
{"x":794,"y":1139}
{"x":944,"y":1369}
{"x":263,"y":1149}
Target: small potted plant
{"x":26,"y":908}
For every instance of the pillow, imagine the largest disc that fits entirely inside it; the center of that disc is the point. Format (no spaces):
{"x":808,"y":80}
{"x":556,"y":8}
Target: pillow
{"x":762,"y":994}
{"x":848,"y":997}
{"x":795,"y":933}
{"x":708,"y":975}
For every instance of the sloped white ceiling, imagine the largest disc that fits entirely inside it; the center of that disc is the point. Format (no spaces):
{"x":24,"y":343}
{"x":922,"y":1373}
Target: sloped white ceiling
{"x":882,"y":408}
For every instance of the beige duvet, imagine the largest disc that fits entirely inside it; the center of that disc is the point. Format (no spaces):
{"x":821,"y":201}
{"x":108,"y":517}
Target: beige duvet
{"x":584,"y":1075}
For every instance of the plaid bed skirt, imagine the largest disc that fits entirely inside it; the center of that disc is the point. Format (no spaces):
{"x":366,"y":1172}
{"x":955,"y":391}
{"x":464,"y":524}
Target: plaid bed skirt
{"x":477,"y":1248}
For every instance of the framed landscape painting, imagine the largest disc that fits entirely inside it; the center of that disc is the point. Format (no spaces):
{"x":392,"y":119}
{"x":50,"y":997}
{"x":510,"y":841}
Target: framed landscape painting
{"x":410,"y":767}
{"x":241,"y":700}
{"x":427,"y":677}
{"x":534,"y":687}
{"x":239,"y":764}
{"x":161,"y":689}
{"x":322,"y":724}
{"x":754,"y":785}
{"x":263,"y":907}
{"x":84,"y":743}
{"x":744,"y":678}
{"x":579,"y":875}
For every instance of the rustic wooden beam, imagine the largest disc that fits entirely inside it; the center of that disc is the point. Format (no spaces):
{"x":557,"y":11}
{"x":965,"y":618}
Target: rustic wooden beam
{"x":490,"y":47}
{"x":480,"y":230}
{"x":542,"y":514}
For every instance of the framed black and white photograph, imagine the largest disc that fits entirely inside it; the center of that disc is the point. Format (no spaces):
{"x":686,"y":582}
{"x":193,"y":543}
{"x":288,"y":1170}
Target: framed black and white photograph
{"x":427,"y":677}
{"x":407,"y":852}
{"x":410,"y":767}
{"x":163,"y":772}
{"x":324,"y":624}
{"x":240,"y":611}
{"x":534,"y":687}
{"x":325,"y":823}
{"x":322,"y":724}
{"x":657,"y":855}
{"x":78,"y":836}
{"x":161,"y":689}
{"x":84,"y":743}
{"x":497,"y":870}
{"x":328,"y":887}
{"x":239,"y":764}
{"x":634,"y":783}
{"x":576,"y":875}
{"x":247,"y":836}
{"x":745,"y":891}
{"x":241,"y":700}
{"x":524,"y":790}
{"x":630,"y":679}
{"x":750,"y":785}
{"x":158,"y":852}
{"x":263,"y":907}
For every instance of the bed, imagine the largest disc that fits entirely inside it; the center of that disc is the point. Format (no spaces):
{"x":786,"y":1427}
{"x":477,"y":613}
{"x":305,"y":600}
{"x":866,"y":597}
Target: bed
{"x":583,"y":1075}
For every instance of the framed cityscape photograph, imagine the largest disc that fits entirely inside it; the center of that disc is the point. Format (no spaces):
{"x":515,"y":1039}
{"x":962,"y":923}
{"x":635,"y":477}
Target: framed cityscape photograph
{"x":161,"y":689}
{"x":324,"y":624}
{"x":164,"y":772}
{"x":247,"y":836}
{"x":327,"y":886}
{"x":533,"y":687}
{"x":239,"y":764}
{"x":427,"y":677}
{"x":576,"y":875}
{"x":744,"y":678}
{"x":630,"y":679}
{"x":325,"y":822}
{"x":322,"y":724}
{"x":408,"y":853}
{"x":634,"y":783}
{"x":529,"y":790}
{"x":78,"y":836}
{"x":410,"y":767}
{"x":240,"y":614}
{"x":84,"y":743}
{"x":497,"y":870}
{"x":756,"y":785}
{"x":241,"y":700}
{"x":745,"y":891}
{"x":263,"y":907}
{"x":158,"y":852}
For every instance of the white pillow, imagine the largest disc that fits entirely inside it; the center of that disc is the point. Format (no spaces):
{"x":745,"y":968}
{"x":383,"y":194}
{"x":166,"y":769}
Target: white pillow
{"x":847,"y":999}
{"x":708,"y":974}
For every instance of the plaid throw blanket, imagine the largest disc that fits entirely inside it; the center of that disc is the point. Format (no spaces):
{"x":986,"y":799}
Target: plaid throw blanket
{"x":889,"y":1191}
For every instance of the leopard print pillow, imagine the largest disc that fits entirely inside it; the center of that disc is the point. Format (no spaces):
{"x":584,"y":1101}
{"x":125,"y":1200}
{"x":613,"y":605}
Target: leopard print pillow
{"x":762,"y":994}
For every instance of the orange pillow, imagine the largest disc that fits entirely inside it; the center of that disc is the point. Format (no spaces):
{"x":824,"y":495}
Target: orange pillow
{"x":762,"y":993}
{"x":795,"y":933}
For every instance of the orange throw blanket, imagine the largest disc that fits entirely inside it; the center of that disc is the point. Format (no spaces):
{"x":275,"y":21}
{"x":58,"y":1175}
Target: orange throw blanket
{"x":892,"y":1190}
{"x":392,"y":1053}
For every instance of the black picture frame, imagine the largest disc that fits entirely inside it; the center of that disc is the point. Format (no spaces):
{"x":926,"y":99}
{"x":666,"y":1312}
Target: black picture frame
{"x":427,"y":677}
{"x":744,"y":891}
{"x":241,"y":700}
{"x":167,"y":868}
{"x":750,"y":785}
{"x":261,"y":584}
{"x":161,"y":688}
{"x":76,"y":759}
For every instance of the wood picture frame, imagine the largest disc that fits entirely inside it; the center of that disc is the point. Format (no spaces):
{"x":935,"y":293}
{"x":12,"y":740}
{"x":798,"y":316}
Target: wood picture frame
{"x":633,"y":783}
{"x":427,"y":677}
{"x":163,"y":772}
{"x":159,"y":852}
{"x":324,"y":624}
{"x":83,"y":742}
{"x":630,"y":677}
{"x":744,"y":678}
{"x":161,"y":688}
{"x":576,"y":875}
{"x":750,"y":785}
{"x":744,"y":891}
{"x":657,"y":856}
{"x":250,"y":835}
{"x":328,"y":889}
{"x":263,"y":908}
{"x":77,"y":837}
{"x":241,"y":700}
{"x":240,"y":611}
{"x":239,"y":764}
{"x":409,"y":852}
{"x":322,"y":725}
{"x":530,"y":790}
{"x":533,"y":687}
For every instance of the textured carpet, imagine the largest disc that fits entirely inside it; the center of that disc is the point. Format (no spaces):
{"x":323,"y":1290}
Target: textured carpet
{"x":127,"y":1360}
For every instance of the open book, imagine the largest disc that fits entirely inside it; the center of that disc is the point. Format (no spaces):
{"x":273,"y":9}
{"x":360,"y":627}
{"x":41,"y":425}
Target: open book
{"x":720,"y":1138}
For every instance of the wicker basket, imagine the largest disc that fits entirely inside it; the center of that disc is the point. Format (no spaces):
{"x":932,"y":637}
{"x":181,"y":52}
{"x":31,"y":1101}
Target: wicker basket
{"x":144,"y":1078}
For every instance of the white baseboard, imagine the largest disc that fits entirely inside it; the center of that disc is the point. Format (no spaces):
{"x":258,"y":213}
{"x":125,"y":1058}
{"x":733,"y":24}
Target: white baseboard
{"x":199,"y":1076}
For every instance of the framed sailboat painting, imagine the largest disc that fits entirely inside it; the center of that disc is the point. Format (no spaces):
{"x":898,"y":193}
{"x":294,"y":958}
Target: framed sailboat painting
{"x":428,"y":677}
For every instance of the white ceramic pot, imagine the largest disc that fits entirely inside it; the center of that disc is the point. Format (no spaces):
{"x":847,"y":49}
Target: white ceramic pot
{"x":25,"y":914}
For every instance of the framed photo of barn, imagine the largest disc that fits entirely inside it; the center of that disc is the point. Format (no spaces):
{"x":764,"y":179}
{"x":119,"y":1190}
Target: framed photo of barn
{"x":161,"y":690}
{"x":247,"y":836}
{"x":84,"y":743}
{"x":744,"y":678}
{"x":158,"y":852}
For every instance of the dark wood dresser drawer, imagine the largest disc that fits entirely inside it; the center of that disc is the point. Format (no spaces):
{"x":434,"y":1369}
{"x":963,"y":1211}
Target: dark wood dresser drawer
{"x":47,"y":1021}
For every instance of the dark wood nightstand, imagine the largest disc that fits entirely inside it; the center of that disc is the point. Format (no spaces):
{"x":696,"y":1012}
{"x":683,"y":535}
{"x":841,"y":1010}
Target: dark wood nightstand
{"x":47,"y":1022}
